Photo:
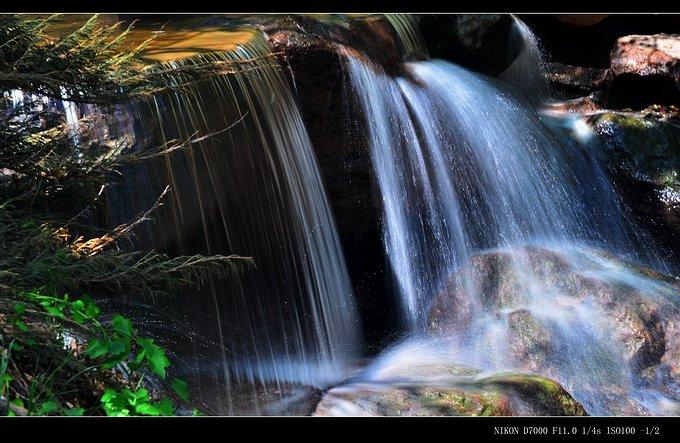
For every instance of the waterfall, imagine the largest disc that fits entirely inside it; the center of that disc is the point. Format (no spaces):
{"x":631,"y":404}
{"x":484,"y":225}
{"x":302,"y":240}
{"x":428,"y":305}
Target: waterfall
{"x":408,"y":35}
{"x":254,"y":190}
{"x":526,"y":70}
{"x":479,"y":196}
{"x":464,"y":166}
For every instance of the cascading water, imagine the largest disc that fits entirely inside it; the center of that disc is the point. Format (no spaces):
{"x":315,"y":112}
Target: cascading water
{"x":254,"y":190}
{"x":467,"y":171}
{"x":504,"y":237}
{"x":453,"y":184}
{"x":526,"y":71}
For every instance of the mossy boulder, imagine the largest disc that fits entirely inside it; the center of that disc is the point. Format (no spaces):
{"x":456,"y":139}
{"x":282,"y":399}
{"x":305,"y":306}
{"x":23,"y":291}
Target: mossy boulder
{"x":499,"y":395}
{"x":641,"y":145}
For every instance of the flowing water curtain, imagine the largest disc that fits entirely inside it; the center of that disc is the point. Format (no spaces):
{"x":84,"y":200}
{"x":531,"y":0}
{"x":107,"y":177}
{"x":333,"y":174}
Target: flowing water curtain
{"x":255,"y":190}
{"x":408,"y":34}
{"x":463,"y":166}
{"x":526,"y":71}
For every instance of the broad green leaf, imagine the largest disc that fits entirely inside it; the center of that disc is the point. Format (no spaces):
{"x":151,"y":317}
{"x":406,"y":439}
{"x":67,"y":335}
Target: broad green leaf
{"x":114,"y":403}
{"x":21,"y":325}
{"x":91,"y":309}
{"x":165,"y":407}
{"x":78,"y":312}
{"x":97,"y":348}
{"x":74,"y":412}
{"x":48,"y":407}
{"x":147,"y":409}
{"x":55,"y":312}
{"x":181,"y":389}
{"x":136,"y":396}
{"x":118,"y":347}
{"x":121,"y":325}
{"x":155,"y":356}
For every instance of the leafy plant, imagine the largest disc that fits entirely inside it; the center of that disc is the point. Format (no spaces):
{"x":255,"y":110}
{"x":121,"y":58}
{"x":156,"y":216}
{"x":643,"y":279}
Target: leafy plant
{"x":112,"y":346}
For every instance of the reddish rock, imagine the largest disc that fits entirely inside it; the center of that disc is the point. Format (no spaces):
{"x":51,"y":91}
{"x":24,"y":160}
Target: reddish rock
{"x":646,"y":55}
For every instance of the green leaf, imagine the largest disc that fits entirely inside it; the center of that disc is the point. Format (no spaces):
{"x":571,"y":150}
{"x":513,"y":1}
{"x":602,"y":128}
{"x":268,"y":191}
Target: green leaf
{"x":121,"y":325}
{"x":97,"y":348}
{"x":136,"y":396}
{"x":118,"y":347}
{"x":74,"y":412}
{"x":48,"y":407}
{"x":55,"y":312}
{"x":147,"y":409}
{"x":91,"y":309}
{"x":19,"y":308}
{"x":155,"y":356}
{"x":114,"y":403}
{"x":181,"y":389}
{"x":77,"y":312}
{"x":21,"y":326}
{"x":165,"y":407}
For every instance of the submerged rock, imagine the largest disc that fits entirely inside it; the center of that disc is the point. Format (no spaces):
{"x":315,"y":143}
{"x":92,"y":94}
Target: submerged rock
{"x":502,"y":281}
{"x":583,"y":317}
{"x":498,"y":395}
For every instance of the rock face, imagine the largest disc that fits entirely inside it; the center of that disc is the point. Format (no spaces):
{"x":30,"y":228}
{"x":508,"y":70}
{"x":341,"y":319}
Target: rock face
{"x":576,"y":80}
{"x":504,"y":394}
{"x":533,"y":292}
{"x":642,"y":145}
{"x":643,"y":155}
{"x":646,"y":55}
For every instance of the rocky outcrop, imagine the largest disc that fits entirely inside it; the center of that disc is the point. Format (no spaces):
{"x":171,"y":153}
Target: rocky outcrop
{"x":644,"y":145}
{"x":647,"y":55}
{"x":499,"y":395}
{"x":642,"y":314}
{"x":576,"y":80}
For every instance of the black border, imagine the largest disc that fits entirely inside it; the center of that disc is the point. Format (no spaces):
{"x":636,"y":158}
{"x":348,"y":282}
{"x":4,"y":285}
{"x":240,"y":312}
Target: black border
{"x":467,"y":429}
{"x":341,"y":6}
{"x":450,"y":429}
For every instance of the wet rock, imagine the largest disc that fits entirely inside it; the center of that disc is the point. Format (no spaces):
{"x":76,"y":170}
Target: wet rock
{"x":644,"y":145}
{"x":500,"y":282}
{"x":576,"y":80}
{"x":646,"y":70}
{"x":499,"y":395}
{"x":530,"y":340}
{"x":581,"y":105}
